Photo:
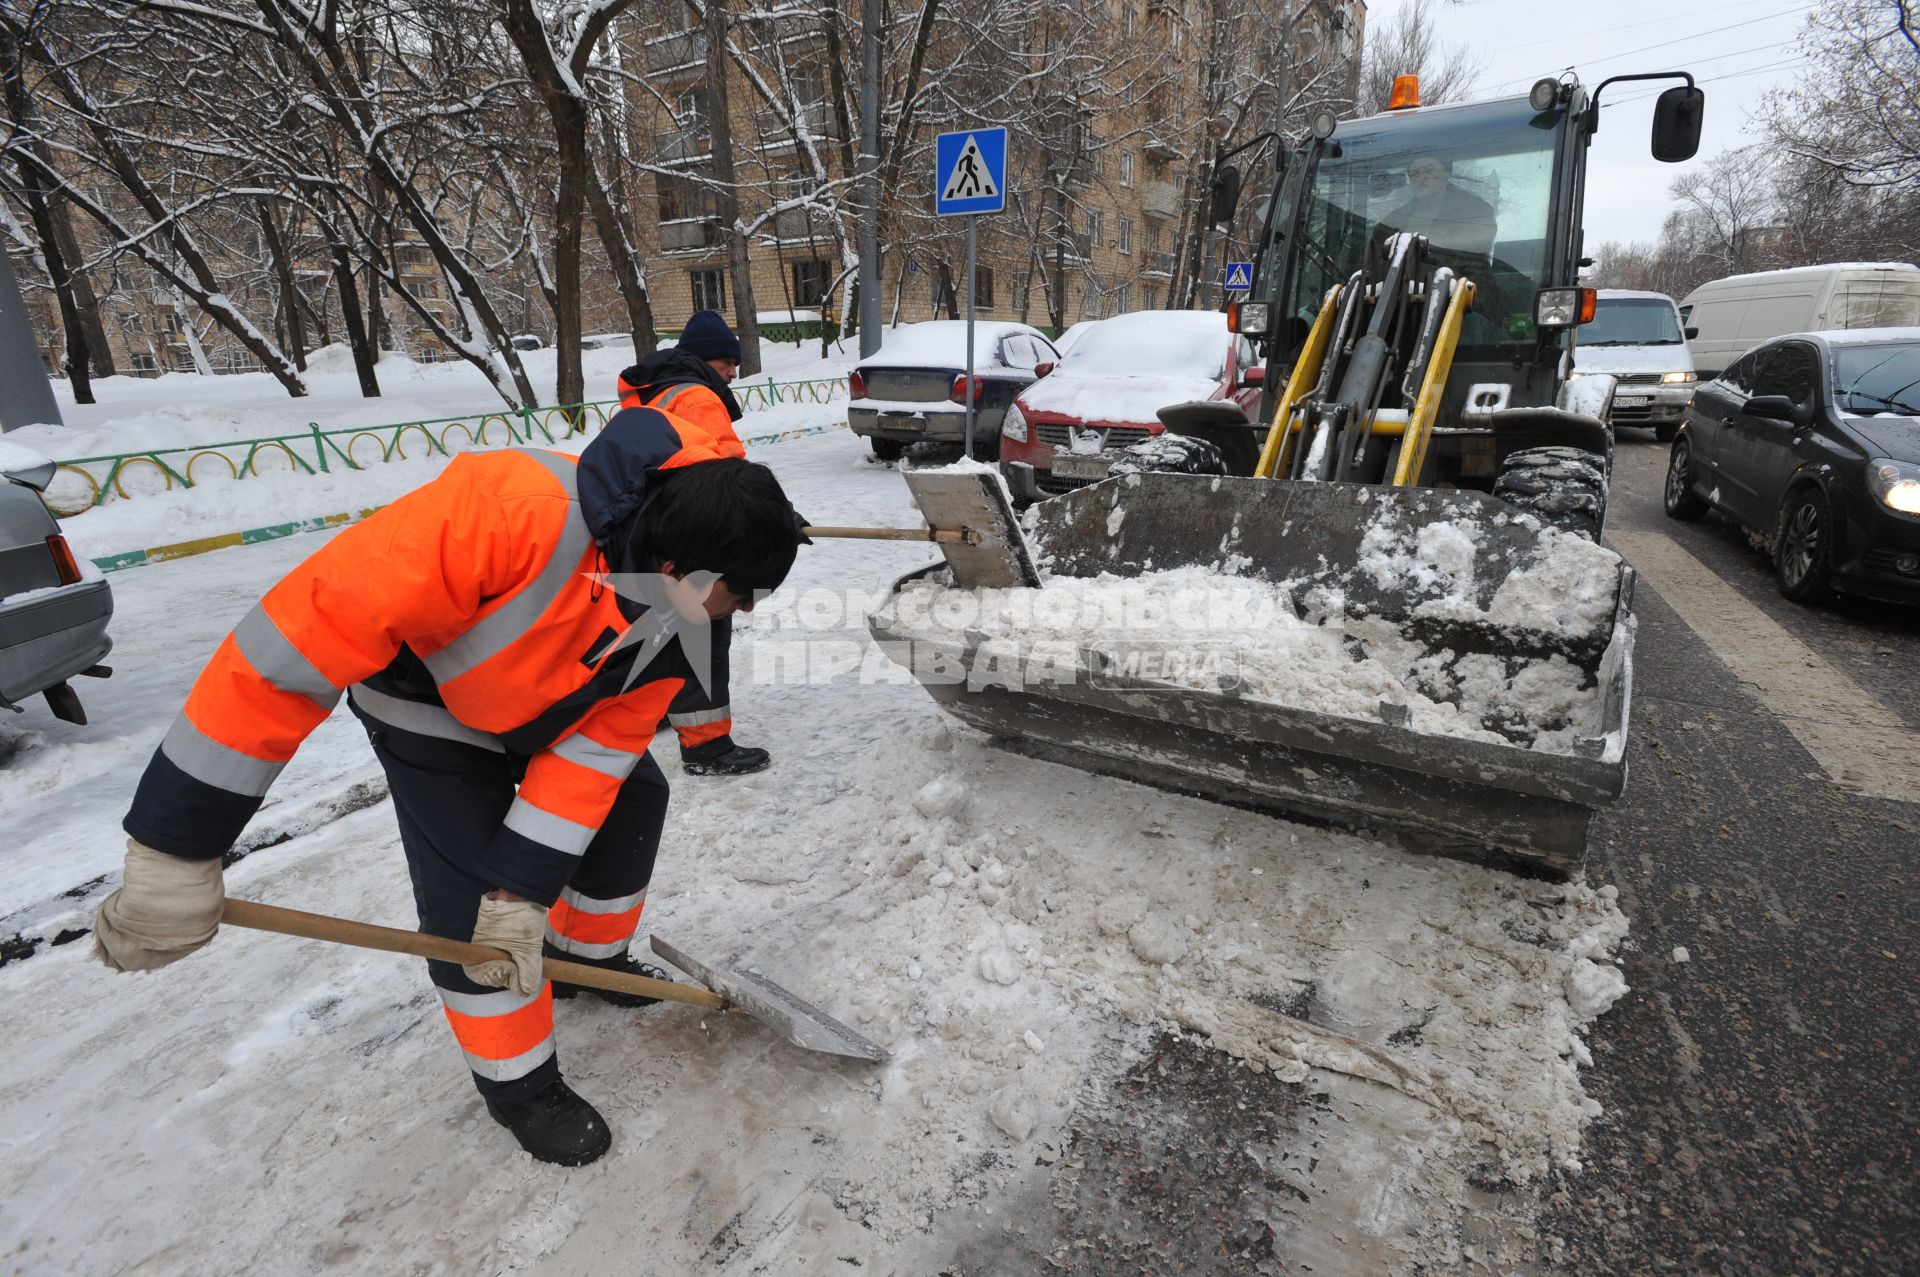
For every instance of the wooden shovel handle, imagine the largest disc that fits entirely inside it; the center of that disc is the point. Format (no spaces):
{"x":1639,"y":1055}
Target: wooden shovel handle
{"x":960,"y":536}
{"x":364,"y":935}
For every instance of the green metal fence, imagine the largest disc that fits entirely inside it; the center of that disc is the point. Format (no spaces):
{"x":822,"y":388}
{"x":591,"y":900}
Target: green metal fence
{"x":81,"y":483}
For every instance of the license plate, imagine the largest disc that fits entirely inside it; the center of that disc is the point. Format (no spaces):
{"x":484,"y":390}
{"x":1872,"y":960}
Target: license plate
{"x":1631,"y":401}
{"x":1069,"y":466}
{"x":903,"y":421}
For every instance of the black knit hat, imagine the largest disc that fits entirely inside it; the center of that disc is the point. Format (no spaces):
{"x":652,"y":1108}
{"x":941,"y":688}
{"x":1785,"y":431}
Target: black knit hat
{"x":708,"y":336}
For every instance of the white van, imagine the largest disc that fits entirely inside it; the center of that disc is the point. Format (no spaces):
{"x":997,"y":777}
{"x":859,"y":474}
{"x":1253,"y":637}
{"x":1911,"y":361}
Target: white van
{"x":1636,"y":337}
{"x":1728,"y":317}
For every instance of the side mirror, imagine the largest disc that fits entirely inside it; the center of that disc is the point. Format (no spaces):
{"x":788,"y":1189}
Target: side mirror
{"x":1691,"y":332}
{"x":1677,"y":116}
{"x":1042,"y":368}
{"x":1775,"y":408}
{"x":1254,"y":376}
{"x":1225,"y":195}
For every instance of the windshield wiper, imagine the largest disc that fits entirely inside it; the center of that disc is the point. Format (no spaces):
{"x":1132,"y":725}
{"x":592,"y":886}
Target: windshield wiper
{"x":1886,"y":403}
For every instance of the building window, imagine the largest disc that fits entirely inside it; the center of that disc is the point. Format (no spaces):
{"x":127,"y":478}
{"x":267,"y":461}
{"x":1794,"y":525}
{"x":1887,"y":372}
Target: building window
{"x":709,"y":289}
{"x":1151,"y":295}
{"x":133,"y":322}
{"x":1153,"y":237}
{"x":1093,"y":228}
{"x":1091,"y":303}
{"x":809,"y":283}
{"x":983,"y":286}
{"x":683,"y":196}
{"x":426,"y":288}
{"x":1126,"y":157}
{"x":1122,"y":298}
{"x":1124,"y":241}
{"x":173,"y":323}
{"x":143,"y":363}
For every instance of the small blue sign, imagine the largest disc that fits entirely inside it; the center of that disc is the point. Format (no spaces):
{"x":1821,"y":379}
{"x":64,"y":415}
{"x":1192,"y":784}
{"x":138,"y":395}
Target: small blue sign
{"x":1239,"y":277}
{"x":970,"y":172}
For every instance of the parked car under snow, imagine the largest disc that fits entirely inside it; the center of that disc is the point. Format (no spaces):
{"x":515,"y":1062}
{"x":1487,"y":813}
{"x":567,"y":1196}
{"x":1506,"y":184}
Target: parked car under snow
{"x":54,"y":608}
{"x":914,"y":387}
{"x":1067,"y":429}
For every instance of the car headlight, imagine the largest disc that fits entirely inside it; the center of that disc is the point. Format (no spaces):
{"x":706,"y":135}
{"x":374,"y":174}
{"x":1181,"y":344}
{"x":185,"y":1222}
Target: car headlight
{"x":1896,"y":483}
{"x":1014,"y":425}
{"x":1677,"y":378}
{"x":1575,"y":376}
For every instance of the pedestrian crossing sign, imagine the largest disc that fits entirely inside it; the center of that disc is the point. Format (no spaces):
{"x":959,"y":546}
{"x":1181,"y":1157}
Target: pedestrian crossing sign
{"x":970,"y":172}
{"x":1239,"y":277}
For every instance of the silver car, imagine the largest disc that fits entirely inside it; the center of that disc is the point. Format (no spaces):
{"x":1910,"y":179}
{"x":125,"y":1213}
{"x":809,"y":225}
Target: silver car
{"x":54,"y":608}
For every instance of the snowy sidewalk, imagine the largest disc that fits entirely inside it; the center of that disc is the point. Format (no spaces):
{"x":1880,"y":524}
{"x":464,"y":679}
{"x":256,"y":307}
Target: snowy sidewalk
{"x":1013,"y":931}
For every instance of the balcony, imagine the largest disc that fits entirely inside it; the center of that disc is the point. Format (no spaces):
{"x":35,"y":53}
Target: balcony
{"x":794,"y":224}
{"x":1160,"y":199}
{"x":677,"y":52}
{"x":684,"y":144}
{"x":815,"y":118}
{"x":689,"y":236}
{"x":1079,"y":246}
{"x":1157,"y":264}
{"x":1159,"y":147}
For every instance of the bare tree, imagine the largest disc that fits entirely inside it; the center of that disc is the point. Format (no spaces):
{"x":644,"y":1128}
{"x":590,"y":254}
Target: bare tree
{"x":1856,"y":108}
{"x":1730,"y":196}
{"x":1410,"y":44}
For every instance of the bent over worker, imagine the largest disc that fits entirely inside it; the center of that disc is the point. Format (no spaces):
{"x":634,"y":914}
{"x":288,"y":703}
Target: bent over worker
{"x":691,"y":381}
{"x":485,"y":631}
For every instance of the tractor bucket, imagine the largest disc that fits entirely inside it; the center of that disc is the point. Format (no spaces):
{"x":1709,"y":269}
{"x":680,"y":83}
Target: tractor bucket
{"x":1501,"y":801}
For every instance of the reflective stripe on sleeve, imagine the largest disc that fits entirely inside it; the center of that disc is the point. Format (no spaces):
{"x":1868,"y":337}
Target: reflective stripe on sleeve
{"x":211,"y":763}
{"x":278,"y":661}
{"x":499,"y":630}
{"x":420,"y":718}
{"x":608,"y":761}
{"x":547,"y":829}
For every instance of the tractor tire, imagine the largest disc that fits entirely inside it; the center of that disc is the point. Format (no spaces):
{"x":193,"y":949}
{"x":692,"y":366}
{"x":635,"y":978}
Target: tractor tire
{"x":1681,"y":501}
{"x":886,"y":449}
{"x":1565,"y":488}
{"x":1170,"y":454}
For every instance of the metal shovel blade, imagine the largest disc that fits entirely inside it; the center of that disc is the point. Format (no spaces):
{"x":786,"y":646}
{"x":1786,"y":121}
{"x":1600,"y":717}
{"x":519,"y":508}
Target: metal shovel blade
{"x":997,"y":556}
{"x":798,"y":1021}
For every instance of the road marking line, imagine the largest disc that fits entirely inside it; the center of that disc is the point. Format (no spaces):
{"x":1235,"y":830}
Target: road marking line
{"x":1863,"y":747}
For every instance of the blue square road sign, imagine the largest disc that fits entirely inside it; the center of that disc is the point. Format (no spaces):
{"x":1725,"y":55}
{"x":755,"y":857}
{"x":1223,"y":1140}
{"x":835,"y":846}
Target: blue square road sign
{"x":1239,"y":277}
{"x":970,"y":172}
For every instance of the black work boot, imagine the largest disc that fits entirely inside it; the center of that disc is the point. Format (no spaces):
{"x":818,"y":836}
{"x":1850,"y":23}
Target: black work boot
{"x":721,"y":757}
{"x":555,"y":1126}
{"x":623,"y":963}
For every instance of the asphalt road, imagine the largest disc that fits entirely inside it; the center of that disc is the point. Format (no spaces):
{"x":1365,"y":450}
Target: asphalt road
{"x":1761,"y":1099}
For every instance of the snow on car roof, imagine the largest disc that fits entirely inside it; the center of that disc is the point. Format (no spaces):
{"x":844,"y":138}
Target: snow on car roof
{"x":1864,"y":336}
{"x":1608,"y":294}
{"x":942,"y":343}
{"x":17,"y":458}
{"x":1151,"y":343}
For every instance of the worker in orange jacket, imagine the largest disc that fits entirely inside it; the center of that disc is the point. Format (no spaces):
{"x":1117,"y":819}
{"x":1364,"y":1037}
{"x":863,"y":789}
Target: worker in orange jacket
{"x":691,"y":381}
{"x":510,"y":635}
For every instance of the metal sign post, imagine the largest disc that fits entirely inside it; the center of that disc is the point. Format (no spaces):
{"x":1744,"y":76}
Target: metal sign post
{"x":970,"y":178}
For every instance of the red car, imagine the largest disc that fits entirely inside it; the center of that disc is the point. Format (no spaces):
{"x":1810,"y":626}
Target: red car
{"x":1064,"y":430}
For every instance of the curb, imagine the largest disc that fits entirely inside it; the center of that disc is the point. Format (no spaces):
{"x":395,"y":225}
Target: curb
{"x":273,"y":532}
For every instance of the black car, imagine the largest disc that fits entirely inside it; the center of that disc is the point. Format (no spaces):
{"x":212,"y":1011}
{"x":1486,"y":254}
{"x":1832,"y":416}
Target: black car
{"x":1813,"y":441}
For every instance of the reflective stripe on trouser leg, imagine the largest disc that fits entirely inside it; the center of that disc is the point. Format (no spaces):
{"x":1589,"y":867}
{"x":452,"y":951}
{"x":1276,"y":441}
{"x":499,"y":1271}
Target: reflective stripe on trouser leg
{"x":505,"y":1035}
{"x":589,"y":927}
{"x":597,"y":914}
{"x":696,"y":730}
{"x":451,"y":797}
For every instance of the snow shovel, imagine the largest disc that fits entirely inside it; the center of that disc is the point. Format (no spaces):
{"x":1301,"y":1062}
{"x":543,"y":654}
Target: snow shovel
{"x":970,"y":518}
{"x":720,"y":989}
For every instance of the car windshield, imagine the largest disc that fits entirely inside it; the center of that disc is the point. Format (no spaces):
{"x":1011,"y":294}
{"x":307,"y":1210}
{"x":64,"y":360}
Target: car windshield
{"x":1477,"y":181}
{"x":1152,"y":344}
{"x":1878,"y":378}
{"x":1632,"y":321}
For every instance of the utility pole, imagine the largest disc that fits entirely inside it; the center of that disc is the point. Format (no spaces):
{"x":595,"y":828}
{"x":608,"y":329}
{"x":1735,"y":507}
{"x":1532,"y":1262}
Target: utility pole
{"x":29,"y":399}
{"x":870,"y":31}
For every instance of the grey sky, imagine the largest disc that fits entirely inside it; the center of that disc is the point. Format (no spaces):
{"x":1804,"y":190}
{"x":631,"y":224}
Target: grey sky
{"x":1738,"y":52}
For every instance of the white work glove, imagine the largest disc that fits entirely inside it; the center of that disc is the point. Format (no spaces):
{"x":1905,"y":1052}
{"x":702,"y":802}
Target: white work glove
{"x":519,"y":927}
{"x":167,"y":907}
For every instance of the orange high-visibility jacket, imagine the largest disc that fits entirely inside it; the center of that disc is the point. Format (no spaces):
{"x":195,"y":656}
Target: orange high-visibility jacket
{"x":675,"y":381}
{"x":469,"y":609}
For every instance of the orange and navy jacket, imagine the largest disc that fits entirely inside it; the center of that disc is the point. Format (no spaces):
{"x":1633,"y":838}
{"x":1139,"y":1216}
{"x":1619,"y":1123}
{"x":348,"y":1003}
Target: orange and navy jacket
{"x":471,"y":609}
{"x":685,"y":385}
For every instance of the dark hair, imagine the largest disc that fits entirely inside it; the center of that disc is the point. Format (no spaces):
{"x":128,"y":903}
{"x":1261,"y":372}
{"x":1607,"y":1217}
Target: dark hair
{"x":728,"y":517}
